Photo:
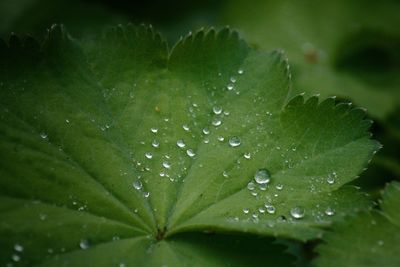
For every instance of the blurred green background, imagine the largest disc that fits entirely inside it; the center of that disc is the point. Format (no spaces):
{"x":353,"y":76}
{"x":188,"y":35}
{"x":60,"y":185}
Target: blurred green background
{"x":347,"y":49}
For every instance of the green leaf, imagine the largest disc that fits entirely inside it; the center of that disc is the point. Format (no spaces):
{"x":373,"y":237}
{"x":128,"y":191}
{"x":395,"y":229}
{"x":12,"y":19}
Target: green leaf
{"x":369,"y":239}
{"x":120,"y":139}
{"x":344,"y":48}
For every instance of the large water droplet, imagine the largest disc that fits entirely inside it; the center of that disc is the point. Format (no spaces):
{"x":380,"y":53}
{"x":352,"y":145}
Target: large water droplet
{"x":297,"y":212}
{"x":137,"y":185}
{"x":180,"y":143}
{"x":262,"y":176}
{"x":234,"y":141}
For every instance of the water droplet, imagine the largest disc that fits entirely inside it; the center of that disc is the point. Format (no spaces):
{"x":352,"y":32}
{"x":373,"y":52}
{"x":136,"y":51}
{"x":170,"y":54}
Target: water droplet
{"x":229,"y":86}
{"x":18,"y":247}
{"x":247,"y":155}
{"x":240,"y":71}
{"x":180,"y":143}
{"x":206,"y":141}
{"x":148,"y":155}
{"x":16,"y":257}
{"x":297,"y":212}
{"x":225,"y":174}
{"x":190,"y":153}
{"x":146,"y":194}
{"x":279,"y":186}
{"x":67,"y":120}
{"x":246,"y":211}
{"x":154,"y":130}
{"x":137,"y":185}
{"x":185,"y":127}
{"x":84,"y":244}
{"x":331,"y":178}
{"x":234,"y":141}
{"x":217,"y":110}
{"x":220,"y":138}
{"x":262,"y":176}
{"x":251,"y":186}
{"x":270,"y":208}
{"x":216,"y":122}
{"x":233,"y":79}
{"x":166,"y":165}
{"x":43,"y":135}
{"x":206,"y":130}
{"x":155,"y":143}
{"x":330,"y":211}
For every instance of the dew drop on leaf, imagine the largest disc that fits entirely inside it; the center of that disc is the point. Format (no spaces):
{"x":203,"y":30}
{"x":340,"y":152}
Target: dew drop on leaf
{"x":331,"y":178}
{"x":247,"y":155}
{"x":240,"y":71}
{"x":148,"y":155}
{"x":206,"y":130}
{"x":190,"y":153}
{"x":84,"y":244}
{"x":166,"y":165}
{"x":155,"y":144}
{"x":185,"y":127}
{"x":297,"y":212}
{"x":217,"y":110}
{"x":43,"y":135}
{"x":270,"y":208}
{"x":216,"y":122}
{"x":18,"y":247}
{"x":137,"y":185}
{"x":180,"y":143}
{"x":246,"y":211}
{"x":234,"y":141}
{"x":262,"y":176}
{"x":251,"y":186}
{"x":154,"y":130}
{"x":16,"y":257}
{"x":330,"y":211}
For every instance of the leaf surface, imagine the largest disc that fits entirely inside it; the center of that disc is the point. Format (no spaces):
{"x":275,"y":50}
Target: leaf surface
{"x":111,"y":147}
{"x":369,"y":239}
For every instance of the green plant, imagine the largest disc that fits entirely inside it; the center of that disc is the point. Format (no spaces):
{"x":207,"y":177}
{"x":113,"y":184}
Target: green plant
{"x":120,"y":151}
